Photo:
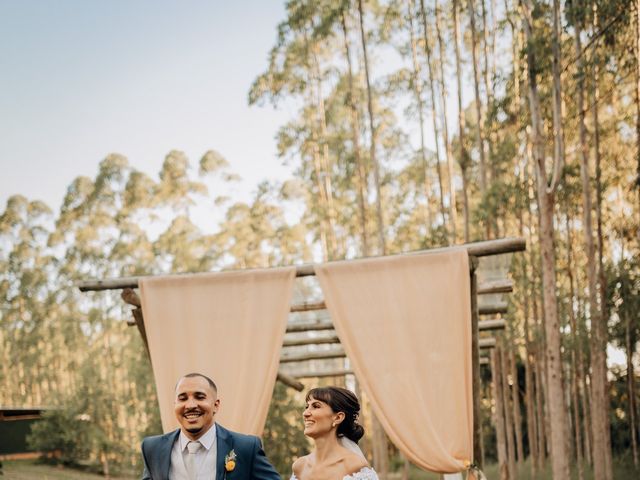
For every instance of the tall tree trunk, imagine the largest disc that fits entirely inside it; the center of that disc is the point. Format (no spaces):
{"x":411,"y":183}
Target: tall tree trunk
{"x":417,"y":90}
{"x":602,"y":281}
{"x":517,"y":414}
{"x":538,"y":349}
{"x":585,"y":393}
{"x":532,"y":431}
{"x":586,"y":197}
{"x":496,"y":374}
{"x":478,"y":102}
{"x":486,"y":28}
{"x":630,"y":342}
{"x":434,"y":113}
{"x":558,"y":143}
{"x":541,"y":406}
{"x":557,"y":412}
{"x":355,"y":138}
{"x":508,"y":417}
{"x":463,"y":158}
{"x":380,"y":439}
{"x":638,"y":109}
{"x":576,"y":374}
{"x":546,"y":194}
{"x":325,"y":226}
{"x":488,"y":86}
{"x":599,"y":398}
{"x":324,"y":155}
{"x":453,"y":215}
{"x":373,"y":131}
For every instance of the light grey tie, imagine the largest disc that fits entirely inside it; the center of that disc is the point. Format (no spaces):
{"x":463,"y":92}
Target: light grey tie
{"x":190,"y":462}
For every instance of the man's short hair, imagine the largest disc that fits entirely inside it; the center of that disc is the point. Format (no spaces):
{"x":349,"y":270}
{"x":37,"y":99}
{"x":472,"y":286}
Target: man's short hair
{"x":196,"y":374}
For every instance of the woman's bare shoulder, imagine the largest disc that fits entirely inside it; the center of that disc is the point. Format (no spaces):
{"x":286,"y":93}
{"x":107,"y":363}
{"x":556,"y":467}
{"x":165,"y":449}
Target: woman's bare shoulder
{"x":298,"y":465}
{"x":353,"y":463}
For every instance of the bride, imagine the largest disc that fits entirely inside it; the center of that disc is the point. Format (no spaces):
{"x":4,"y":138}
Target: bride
{"x":331,"y":420}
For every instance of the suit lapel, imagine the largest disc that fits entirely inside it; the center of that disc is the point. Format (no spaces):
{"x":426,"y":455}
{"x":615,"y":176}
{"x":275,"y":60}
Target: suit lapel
{"x":224,"y":445}
{"x":165,"y":453}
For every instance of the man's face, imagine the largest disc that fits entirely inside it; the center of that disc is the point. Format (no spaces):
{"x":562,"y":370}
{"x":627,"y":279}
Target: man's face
{"x":195,"y":406}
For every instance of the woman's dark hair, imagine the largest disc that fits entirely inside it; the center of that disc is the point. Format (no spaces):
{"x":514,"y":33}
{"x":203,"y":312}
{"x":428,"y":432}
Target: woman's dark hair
{"x":345,"y":401}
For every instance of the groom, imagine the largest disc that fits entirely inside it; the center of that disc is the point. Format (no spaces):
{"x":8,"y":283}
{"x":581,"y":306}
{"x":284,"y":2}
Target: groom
{"x":200,"y":449}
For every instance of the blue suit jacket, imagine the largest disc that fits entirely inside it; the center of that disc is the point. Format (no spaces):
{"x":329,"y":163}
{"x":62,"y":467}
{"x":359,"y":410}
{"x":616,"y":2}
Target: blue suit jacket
{"x":251,"y":462}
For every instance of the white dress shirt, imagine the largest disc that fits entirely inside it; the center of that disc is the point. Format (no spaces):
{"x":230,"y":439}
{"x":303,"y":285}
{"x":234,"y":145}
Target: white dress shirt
{"x":205,"y":458}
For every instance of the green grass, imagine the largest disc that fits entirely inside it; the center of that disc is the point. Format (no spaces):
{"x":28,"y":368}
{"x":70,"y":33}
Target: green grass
{"x":32,"y":470}
{"x":623,"y":469}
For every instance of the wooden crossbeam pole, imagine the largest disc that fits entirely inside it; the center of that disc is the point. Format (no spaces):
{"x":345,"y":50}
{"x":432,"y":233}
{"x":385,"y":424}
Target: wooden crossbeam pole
{"x":489,"y":342}
{"x":492,"y":324}
{"x":476,"y":249}
{"x":303,"y":357}
{"x":493,"y":309}
{"x":496,"y":286}
{"x":307,"y":326}
{"x":325,"y":373}
{"x":310,"y":341}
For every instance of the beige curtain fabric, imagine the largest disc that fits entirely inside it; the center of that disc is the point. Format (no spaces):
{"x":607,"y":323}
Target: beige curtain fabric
{"x":229,"y":326}
{"x":405,"y":323}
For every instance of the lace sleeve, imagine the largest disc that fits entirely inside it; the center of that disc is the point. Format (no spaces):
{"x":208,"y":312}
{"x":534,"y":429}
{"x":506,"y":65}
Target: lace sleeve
{"x":365,"y":473}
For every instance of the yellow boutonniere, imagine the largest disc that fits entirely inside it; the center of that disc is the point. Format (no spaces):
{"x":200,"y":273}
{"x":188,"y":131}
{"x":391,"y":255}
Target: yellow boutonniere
{"x":230,"y":461}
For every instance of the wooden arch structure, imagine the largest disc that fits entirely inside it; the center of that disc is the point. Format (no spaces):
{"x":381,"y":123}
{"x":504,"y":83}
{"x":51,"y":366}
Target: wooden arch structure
{"x":475,"y":251}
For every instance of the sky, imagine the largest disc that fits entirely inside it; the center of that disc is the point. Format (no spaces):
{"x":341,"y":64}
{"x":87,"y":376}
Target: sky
{"x":82,"y":79}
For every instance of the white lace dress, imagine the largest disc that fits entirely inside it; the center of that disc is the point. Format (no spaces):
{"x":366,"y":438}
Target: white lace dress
{"x":365,"y":473}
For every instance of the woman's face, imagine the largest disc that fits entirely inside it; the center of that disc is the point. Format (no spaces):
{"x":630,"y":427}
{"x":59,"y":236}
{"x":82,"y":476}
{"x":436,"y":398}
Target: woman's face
{"x":319,"y":418}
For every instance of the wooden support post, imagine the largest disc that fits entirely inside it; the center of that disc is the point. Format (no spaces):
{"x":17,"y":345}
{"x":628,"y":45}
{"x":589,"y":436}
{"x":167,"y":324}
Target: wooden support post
{"x":131,"y":297}
{"x":289,"y":381}
{"x":475,"y":364}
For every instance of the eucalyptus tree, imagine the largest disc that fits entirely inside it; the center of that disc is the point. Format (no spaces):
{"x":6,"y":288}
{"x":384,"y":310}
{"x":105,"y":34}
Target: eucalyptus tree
{"x":624,"y":289}
{"x":431,"y":81}
{"x":257,"y":235}
{"x":598,"y":330}
{"x":480,"y":141}
{"x":545,"y":195}
{"x":417,"y":82}
{"x":637,"y":89}
{"x":29,"y":310}
{"x":298,"y":68}
{"x":463,"y":155}
{"x":442,"y":55}
{"x":373,"y":132}
{"x":352,"y":100}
